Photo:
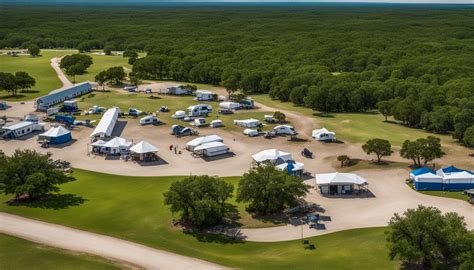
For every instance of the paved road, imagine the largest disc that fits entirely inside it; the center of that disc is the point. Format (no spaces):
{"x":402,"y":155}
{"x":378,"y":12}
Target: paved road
{"x":99,"y":245}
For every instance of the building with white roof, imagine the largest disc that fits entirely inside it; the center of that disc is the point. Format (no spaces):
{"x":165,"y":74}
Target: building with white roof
{"x":202,"y":140}
{"x":339,"y":183}
{"x":106,"y":124}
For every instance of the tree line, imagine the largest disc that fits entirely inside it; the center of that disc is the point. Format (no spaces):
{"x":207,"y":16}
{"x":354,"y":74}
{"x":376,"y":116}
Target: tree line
{"x":413,"y":64}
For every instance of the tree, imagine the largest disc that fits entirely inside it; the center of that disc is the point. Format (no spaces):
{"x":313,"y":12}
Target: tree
{"x":31,"y":174}
{"x":200,"y":200}
{"x":108,"y":50}
{"x":8,"y":83}
{"x":469,"y":136}
{"x":424,"y":238}
{"x":134,"y":79}
{"x":75,"y":70}
{"x":85,"y":62}
{"x":385,"y":107}
{"x":130,"y":53}
{"x":101,"y":78}
{"x":23,"y":80}
{"x":33,"y":50}
{"x":342,"y":159}
{"x":279,"y":116}
{"x":379,"y":147}
{"x":116,"y":75}
{"x":231,"y":80}
{"x":269,"y":190}
{"x":423,"y":149}
{"x":84,"y":46}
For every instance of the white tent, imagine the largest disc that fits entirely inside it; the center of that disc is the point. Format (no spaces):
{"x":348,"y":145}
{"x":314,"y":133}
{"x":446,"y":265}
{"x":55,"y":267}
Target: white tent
{"x":248,"y":123}
{"x":339,"y":179}
{"x":271,"y":155}
{"x":202,"y":140}
{"x":56,"y":135}
{"x":459,"y":178}
{"x":107,"y":123}
{"x":323,"y":135}
{"x":143,"y":147}
{"x":117,"y":145}
{"x":211,"y":149}
{"x":229,"y":105}
{"x":428,"y":178}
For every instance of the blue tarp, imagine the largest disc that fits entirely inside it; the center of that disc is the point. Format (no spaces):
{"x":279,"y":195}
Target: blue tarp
{"x":452,"y":169}
{"x":421,"y":171}
{"x":428,"y":186}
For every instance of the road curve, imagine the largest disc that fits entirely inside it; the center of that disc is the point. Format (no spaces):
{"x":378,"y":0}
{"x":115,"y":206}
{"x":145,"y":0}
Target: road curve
{"x":99,"y":245}
{"x":64,"y":79}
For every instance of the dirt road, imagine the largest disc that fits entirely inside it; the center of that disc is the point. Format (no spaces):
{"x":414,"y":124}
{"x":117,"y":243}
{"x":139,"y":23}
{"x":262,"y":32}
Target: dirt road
{"x":64,"y":79}
{"x":99,"y":245}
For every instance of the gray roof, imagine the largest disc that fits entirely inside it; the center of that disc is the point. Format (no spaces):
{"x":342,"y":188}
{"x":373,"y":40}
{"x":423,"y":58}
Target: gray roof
{"x":62,"y":94}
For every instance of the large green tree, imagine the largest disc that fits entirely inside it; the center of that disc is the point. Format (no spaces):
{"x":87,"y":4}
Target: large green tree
{"x":79,"y":62}
{"x":422,"y":150}
{"x":200,"y":200}
{"x":30,"y":174}
{"x":23,"y":80}
{"x":8,"y":83}
{"x":269,"y":190}
{"x":424,"y":238}
{"x":33,"y":50}
{"x":380,"y":147}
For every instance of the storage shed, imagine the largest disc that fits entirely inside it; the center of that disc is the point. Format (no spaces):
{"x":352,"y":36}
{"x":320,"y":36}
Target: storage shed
{"x":63,"y":94}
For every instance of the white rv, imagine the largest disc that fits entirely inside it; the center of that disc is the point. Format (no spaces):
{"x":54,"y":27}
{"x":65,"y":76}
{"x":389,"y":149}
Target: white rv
{"x":323,"y":135}
{"x":250,"y":132}
{"x":216,"y":123}
{"x":285,"y":130}
{"x":20,"y":129}
{"x":229,"y":105}
{"x":150,"y":119}
{"x":200,"y":122}
{"x":199,"y":110}
{"x":204,"y":95}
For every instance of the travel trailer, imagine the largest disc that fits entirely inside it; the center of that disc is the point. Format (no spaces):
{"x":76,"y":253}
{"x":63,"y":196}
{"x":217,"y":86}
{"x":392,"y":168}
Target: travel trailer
{"x":285,"y":130}
{"x":204,"y":95}
{"x":199,"y":110}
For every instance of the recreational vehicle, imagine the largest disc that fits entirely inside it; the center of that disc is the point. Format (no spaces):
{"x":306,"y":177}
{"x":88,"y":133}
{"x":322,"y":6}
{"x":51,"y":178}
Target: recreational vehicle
{"x":20,"y":129}
{"x":199,"y":110}
{"x":285,"y":130}
{"x":149,"y":119}
{"x":203,"y":95}
{"x":211,"y":149}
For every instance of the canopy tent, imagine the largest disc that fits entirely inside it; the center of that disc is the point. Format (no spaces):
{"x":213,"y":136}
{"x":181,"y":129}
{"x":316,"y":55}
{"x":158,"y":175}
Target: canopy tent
{"x":420,"y":171}
{"x":106,"y":124}
{"x":144,"y":151}
{"x":271,"y":155}
{"x":449,"y":170}
{"x":428,"y":181}
{"x":117,"y":145}
{"x":202,"y":140}
{"x":458,"y":181}
{"x":339,"y":183}
{"x":56,"y":135}
{"x":323,"y":135}
{"x":292,"y":167}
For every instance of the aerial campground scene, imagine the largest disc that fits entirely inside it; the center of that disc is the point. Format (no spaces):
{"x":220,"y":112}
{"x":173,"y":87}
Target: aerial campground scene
{"x":236,"y":135}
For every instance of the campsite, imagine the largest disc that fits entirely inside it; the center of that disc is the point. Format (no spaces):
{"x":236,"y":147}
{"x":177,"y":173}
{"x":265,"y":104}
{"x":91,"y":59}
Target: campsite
{"x":243,"y":158}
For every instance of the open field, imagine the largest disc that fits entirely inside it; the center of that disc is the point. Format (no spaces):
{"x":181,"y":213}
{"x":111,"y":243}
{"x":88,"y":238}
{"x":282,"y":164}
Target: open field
{"x":38,"y":67}
{"x":132,"y":208}
{"x":17,"y":254}
{"x":447,"y":194}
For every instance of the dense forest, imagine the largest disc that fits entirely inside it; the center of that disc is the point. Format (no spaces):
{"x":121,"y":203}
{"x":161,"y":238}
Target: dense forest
{"x":411,"y":63}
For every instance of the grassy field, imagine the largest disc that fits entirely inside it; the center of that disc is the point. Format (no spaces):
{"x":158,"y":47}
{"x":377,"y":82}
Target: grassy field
{"x":447,"y":194}
{"x":16,"y":254}
{"x":132,"y":208}
{"x":356,"y":127}
{"x":38,"y":67}
{"x":144,"y":103}
{"x":103,"y":62}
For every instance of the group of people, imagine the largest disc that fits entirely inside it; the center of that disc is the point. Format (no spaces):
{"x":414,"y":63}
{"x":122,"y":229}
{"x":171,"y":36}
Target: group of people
{"x":174,"y":147}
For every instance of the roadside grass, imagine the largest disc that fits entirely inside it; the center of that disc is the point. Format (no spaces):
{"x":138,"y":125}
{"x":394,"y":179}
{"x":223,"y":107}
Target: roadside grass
{"x":357,"y":127}
{"x":367,"y":165}
{"x":132,"y":208}
{"x":38,"y":67}
{"x":16,"y":253}
{"x":447,"y":194}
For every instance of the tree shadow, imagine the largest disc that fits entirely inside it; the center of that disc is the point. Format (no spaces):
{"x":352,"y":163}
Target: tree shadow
{"x":51,"y":201}
{"x":217,"y":237}
{"x":29,"y":91}
{"x":323,"y":114}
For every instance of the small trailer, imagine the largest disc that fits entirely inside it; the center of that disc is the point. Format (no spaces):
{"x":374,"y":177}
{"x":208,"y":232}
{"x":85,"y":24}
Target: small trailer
{"x":20,"y":129}
{"x":149,"y":119}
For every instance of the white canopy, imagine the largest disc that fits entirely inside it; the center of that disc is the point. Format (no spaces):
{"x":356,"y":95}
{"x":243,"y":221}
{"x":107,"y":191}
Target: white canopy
{"x":107,"y":123}
{"x":143,"y":147}
{"x":117,"y":142}
{"x":429,"y":178}
{"x":271,"y":155}
{"x":339,"y":179}
{"x":297,"y":166}
{"x":202,"y":140}
{"x":98,"y":143}
{"x":247,"y":123}
{"x":55,"y":132}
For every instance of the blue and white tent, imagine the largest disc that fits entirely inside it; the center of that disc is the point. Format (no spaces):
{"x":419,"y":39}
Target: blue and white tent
{"x":458,"y":181}
{"x":56,"y":135}
{"x":420,"y":171}
{"x":428,"y":181}
{"x":450,"y":170}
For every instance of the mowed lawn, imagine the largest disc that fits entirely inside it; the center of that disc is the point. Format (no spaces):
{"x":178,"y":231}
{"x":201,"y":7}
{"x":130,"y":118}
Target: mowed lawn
{"x":16,"y":253}
{"x":144,"y":102}
{"x":357,"y":127}
{"x":38,"y":67}
{"x":100,"y":63}
{"x":459,"y":195}
{"x":132,"y":208}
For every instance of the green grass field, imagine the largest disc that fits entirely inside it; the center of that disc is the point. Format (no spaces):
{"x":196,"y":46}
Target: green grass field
{"x":38,"y":67}
{"x":459,"y":195}
{"x":17,"y":254}
{"x":132,"y":208}
{"x":103,"y":62}
{"x":357,"y":127}
{"x":144,"y":103}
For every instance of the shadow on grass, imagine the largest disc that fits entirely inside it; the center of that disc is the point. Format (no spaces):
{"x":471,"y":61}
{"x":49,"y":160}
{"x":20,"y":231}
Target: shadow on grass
{"x":51,"y":201}
{"x":217,"y":237}
{"x":12,"y":97}
{"x":29,"y":91}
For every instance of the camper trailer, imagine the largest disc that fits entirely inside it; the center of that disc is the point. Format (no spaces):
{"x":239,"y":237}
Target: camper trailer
{"x":203,"y":95}
{"x":248,"y":123}
{"x":69,"y":106}
{"x":216,"y":123}
{"x":20,"y":129}
{"x":247,"y":103}
{"x":200,"y":122}
{"x":199,"y":110}
{"x":285,"y":130}
{"x":323,"y":135}
{"x":229,"y":105}
{"x":250,"y":132}
{"x":149,"y":119}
